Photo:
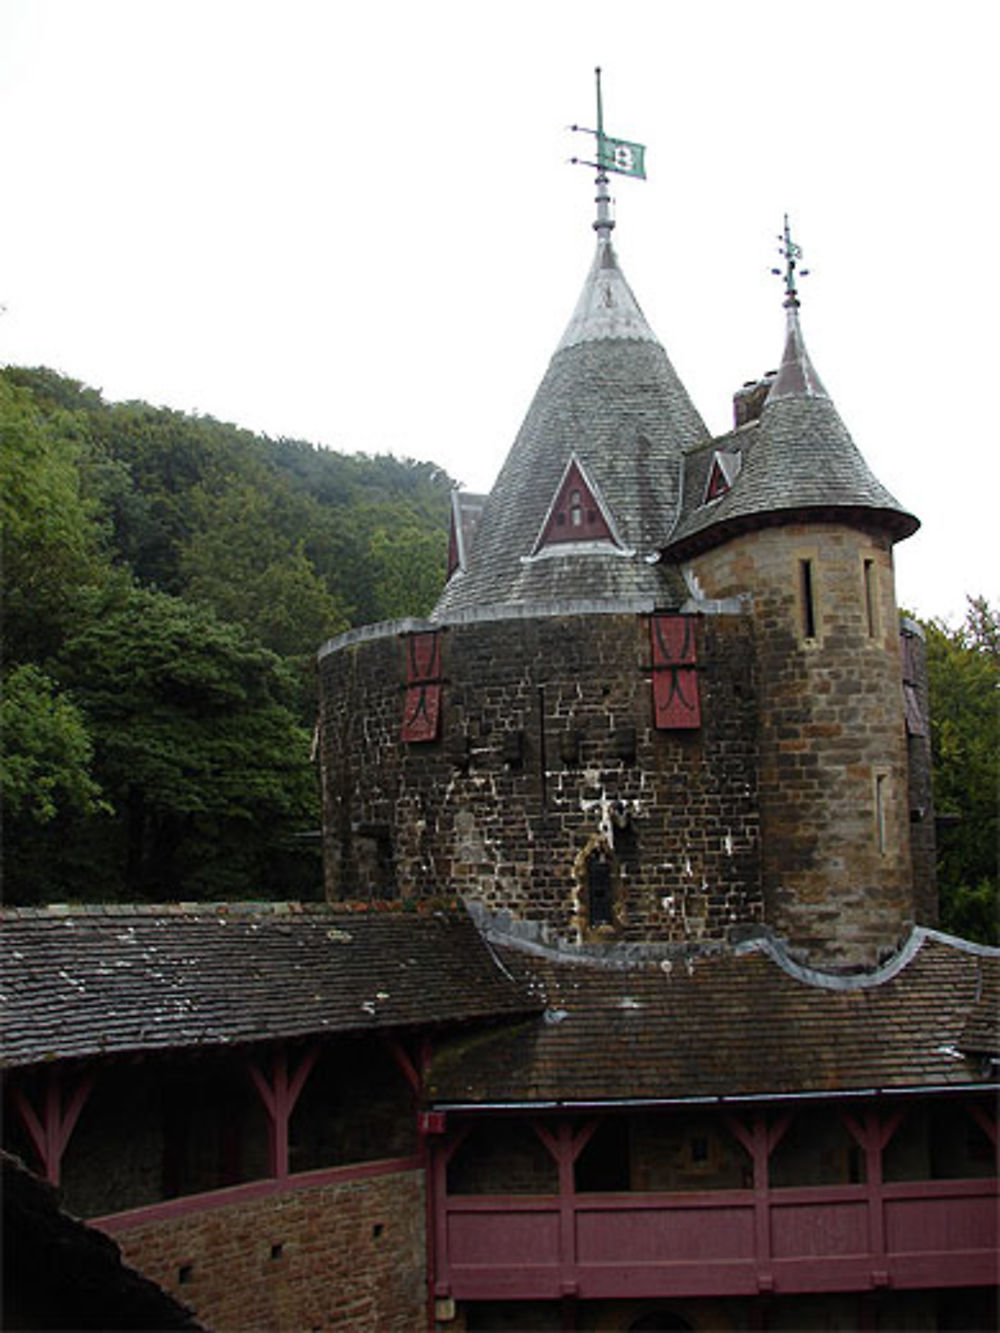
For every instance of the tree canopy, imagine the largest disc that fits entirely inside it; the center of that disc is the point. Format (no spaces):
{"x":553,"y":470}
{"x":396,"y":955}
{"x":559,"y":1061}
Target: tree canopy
{"x":167,"y":579}
{"x":963,"y":667}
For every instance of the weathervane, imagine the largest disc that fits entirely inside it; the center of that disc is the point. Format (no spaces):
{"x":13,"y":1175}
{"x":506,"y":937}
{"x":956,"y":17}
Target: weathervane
{"x":791,"y":253}
{"x":618,"y":155}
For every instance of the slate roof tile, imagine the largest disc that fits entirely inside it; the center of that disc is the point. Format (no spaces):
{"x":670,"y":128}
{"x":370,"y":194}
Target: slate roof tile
{"x":76,"y":983}
{"x":611,"y":398}
{"x":731,"y":1025}
{"x":797,"y":457}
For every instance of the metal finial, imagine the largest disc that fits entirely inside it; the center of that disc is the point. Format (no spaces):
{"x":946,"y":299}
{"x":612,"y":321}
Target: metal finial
{"x":791,"y":253}
{"x":621,"y":156}
{"x":604,"y":222}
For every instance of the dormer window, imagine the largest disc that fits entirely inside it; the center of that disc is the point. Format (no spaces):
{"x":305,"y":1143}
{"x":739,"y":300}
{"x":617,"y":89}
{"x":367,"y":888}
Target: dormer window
{"x":577,"y":514}
{"x":725,"y":469}
{"x":717,"y":483}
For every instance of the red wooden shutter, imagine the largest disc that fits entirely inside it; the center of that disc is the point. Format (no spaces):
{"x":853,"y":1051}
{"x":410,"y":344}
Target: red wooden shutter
{"x":422,"y":702}
{"x":676,"y":703}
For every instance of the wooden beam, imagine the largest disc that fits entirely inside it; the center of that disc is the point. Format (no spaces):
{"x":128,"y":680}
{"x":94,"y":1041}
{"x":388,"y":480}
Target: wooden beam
{"x":279,"y":1095}
{"x":51,"y":1131}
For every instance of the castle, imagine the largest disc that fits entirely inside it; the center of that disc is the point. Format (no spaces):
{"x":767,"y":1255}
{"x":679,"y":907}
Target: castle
{"x":626,"y":1009}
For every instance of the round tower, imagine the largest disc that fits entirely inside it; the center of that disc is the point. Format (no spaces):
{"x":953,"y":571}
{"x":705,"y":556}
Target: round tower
{"x":785,"y":514}
{"x":565,"y":740}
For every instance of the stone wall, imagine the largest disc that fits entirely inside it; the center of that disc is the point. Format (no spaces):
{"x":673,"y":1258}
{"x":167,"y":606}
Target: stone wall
{"x":834,"y":785}
{"x":923,"y":844}
{"x":345,"y":1256}
{"x":548,"y":754}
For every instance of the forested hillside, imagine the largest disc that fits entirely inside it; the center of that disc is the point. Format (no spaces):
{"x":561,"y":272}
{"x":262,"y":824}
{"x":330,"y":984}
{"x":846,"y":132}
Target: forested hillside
{"x":167,"y":579}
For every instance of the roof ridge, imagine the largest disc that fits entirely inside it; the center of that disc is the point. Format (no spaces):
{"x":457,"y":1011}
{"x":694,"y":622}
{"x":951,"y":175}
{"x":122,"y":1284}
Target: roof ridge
{"x":404,"y":907}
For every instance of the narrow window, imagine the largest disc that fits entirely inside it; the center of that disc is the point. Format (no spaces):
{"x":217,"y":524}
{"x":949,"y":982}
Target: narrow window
{"x":808,"y":601}
{"x":880,"y":795}
{"x":869,"y":569}
{"x":575,"y":510}
{"x":599,"y":890}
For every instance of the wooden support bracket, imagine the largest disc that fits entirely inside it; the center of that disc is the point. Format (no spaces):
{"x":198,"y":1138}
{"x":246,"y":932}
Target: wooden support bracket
{"x":51,"y":1130}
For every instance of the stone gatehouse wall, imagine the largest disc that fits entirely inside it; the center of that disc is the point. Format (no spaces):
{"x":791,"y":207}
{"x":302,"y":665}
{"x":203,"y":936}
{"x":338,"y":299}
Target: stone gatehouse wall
{"x":547,"y":752}
{"x":339,"y":1256}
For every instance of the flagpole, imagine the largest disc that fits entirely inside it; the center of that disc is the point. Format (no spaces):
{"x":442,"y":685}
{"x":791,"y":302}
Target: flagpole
{"x":605,"y":222}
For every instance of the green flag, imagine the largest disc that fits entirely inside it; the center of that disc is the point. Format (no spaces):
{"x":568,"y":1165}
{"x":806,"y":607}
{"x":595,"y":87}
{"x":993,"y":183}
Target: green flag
{"x":621,"y":156}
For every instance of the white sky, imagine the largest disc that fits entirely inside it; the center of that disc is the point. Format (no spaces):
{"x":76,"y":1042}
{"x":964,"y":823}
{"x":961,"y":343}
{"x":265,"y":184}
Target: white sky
{"x":354,"y":223}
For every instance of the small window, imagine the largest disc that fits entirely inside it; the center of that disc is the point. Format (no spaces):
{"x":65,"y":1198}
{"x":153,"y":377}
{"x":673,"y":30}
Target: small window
{"x":881,"y":792}
{"x":599,"y":903}
{"x":575,"y":510}
{"x":869,"y":580}
{"x":807,"y":599}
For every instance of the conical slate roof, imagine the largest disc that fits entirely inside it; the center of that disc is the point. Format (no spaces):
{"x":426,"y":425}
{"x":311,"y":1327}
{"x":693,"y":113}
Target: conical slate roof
{"x":797,"y":461}
{"x":610,"y":404}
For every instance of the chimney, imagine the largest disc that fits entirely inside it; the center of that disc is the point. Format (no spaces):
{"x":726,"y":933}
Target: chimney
{"x":748,"y":402}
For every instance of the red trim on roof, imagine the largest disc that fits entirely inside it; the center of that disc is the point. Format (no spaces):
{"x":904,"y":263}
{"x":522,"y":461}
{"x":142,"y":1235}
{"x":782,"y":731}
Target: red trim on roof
{"x":576,"y":515}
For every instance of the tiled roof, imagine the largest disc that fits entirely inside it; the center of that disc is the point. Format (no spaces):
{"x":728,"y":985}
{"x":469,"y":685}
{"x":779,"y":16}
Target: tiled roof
{"x":798,"y":458}
{"x":612,"y":400}
{"x":733,"y":1024}
{"x":981,"y":1033}
{"x":103,"y":980}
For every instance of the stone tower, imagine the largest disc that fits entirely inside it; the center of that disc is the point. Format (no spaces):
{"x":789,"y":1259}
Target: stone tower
{"x":659,"y":701}
{"x":785,"y":512}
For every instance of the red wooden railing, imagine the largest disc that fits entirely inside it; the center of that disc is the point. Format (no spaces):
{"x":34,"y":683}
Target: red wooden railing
{"x":933,"y":1234}
{"x":736,"y":1242}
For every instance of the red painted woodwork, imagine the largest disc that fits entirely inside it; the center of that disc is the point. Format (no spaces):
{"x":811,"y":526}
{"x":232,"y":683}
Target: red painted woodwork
{"x":576,"y":514}
{"x":51,"y":1129}
{"x":192,"y":1204}
{"x":718,"y":482}
{"x":718,"y":1243}
{"x":423,"y":657}
{"x":676,"y":701}
{"x":408,"y":1069}
{"x":422,"y":701}
{"x":279,"y":1095}
{"x":705,"y":1244}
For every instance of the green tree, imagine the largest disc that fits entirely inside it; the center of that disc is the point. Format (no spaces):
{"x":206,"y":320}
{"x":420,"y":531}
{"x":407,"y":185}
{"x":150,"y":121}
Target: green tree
{"x":247,"y":561}
{"x":52,"y":545}
{"x":198,"y":748}
{"x":408,"y":566}
{"x":47,"y":754}
{"x":963,"y":667}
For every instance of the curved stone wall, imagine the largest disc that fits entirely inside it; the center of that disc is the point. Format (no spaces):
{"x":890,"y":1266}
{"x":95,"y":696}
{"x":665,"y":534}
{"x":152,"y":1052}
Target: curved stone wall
{"x":548,"y":792}
{"x":834,"y":780}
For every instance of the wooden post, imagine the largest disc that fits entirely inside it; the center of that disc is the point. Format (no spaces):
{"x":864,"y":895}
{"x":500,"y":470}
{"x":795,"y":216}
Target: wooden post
{"x":441,"y":1155}
{"x":760,"y":1142}
{"x":279,"y":1097}
{"x":566,"y":1147}
{"x":51,"y":1132}
{"x":872,"y":1135}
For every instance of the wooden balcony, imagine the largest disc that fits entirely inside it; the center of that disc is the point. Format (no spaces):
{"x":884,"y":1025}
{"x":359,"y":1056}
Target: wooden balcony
{"x":723,"y":1242}
{"x":731,"y":1243}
